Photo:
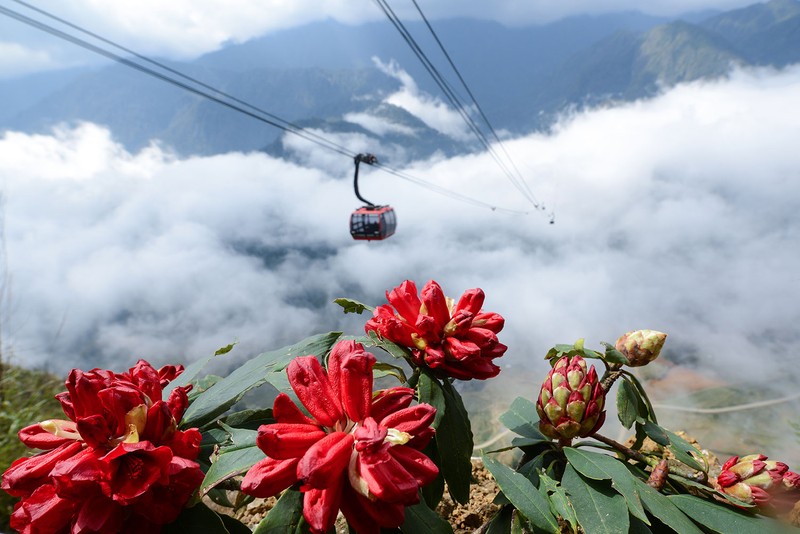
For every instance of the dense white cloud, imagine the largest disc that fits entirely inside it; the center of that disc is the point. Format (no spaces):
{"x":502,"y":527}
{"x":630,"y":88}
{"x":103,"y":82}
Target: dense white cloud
{"x":184,"y":29}
{"x":676,"y":213}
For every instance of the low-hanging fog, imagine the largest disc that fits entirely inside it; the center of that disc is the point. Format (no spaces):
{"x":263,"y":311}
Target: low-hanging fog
{"x":677,"y":213}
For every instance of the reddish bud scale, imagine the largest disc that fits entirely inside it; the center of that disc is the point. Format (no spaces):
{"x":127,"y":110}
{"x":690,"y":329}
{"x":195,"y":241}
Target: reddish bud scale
{"x":571,"y":400}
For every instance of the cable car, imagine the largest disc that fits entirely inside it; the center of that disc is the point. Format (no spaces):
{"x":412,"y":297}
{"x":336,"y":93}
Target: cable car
{"x":373,"y":223}
{"x":370,"y":222}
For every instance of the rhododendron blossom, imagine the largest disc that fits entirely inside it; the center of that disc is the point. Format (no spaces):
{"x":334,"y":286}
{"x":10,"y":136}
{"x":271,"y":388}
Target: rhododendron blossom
{"x":453,"y":339}
{"x":358,"y":452}
{"x":118,"y":464}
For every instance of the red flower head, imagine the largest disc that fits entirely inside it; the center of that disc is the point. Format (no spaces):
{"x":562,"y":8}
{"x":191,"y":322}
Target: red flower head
{"x":357,"y":452}
{"x":454,"y":339}
{"x":119,"y":462}
{"x":765,"y":483}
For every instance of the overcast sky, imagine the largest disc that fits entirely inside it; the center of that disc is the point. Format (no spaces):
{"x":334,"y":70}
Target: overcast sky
{"x":183,"y":29}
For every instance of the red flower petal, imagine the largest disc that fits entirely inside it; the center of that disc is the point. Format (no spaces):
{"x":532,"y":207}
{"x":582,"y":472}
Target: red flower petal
{"x":135,"y":467}
{"x":320,"y":507}
{"x":311,"y":384}
{"x":411,"y":420}
{"x":26,"y":474}
{"x":324,"y":463}
{"x":386,"y":478}
{"x":99,"y":515}
{"x":405,"y":300}
{"x":37,"y":437}
{"x":390,"y":400}
{"x":355,"y":382}
{"x":284,"y":410}
{"x":436,"y":304}
{"x":286,"y":440}
{"x":471,"y":301}
{"x":43,"y":511}
{"x":269,"y":477}
{"x":368,"y":517}
{"x":416,"y":463}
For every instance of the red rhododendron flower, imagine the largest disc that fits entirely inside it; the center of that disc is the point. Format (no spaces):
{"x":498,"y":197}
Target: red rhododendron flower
{"x":119,"y":464}
{"x":454,"y":339}
{"x":357,"y":453}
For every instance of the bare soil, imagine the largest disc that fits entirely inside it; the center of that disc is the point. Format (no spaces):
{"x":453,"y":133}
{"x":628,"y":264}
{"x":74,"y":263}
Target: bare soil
{"x":464,"y":518}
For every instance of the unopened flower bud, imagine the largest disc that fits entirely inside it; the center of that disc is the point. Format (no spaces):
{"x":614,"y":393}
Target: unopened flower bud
{"x":571,"y":400}
{"x":755,"y":480}
{"x":641,"y":347}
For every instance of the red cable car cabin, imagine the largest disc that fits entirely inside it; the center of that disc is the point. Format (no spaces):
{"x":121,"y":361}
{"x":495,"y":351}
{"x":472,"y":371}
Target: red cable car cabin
{"x":373,"y":223}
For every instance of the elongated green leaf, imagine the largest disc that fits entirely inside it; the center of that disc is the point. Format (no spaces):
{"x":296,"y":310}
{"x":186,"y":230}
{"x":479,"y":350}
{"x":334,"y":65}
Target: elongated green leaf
{"x":650,"y":415}
{"x":226,"y":349}
{"x":600,"y":509}
{"x":454,"y":436}
{"x":253,"y":373}
{"x":230,"y":464}
{"x":720,"y":518}
{"x":433,"y":492}
{"x":628,"y":404}
{"x":661,"y":507}
{"x":559,"y":502}
{"x":429,"y":391}
{"x":250,"y":419}
{"x":285,"y":516}
{"x":198,"y":518}
{"x":522,"y":419}
{"x":352,"y":306}
{"x":656,"y":433}
{"x":523,"y":495}
{"x":189,"y":373}
{"x":682,"y":449}
{"x":420,"y":518}
{"x":604,"y":467}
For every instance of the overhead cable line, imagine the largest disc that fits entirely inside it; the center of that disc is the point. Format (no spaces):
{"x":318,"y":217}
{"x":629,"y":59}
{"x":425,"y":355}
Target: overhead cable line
{"x":450,"y":94}
{"x":472,"y":97}
{"x":251,"y":111}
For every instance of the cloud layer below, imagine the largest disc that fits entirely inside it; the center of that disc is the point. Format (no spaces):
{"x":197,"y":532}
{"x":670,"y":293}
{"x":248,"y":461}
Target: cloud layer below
{"x":676,"y":213}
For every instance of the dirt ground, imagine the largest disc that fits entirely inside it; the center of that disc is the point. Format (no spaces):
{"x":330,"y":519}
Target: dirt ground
{"x":464,"y":518}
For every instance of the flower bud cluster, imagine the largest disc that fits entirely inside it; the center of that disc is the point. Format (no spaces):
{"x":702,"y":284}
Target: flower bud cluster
{"x":571,"y":400}
{"x":755,"y":480}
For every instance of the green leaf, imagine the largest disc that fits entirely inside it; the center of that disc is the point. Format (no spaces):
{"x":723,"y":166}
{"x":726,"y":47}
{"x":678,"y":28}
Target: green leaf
{"x":720,"y":518}
{"x":250,"y":418}
{"x":198,"y":518}
{"x":628,"y":404}
{"x":661,"y":507}
{"x":229,"y":465}
{"x":429,"y":391}
{"x":656,"y":433}
{"x":218,"y":398}
{"x":683,"y":451}
{"x":381,"y":369}
{"x":612,"y":355}
{"x":559,"y":502}
{"x":285,"y":516}
{"x":420,"y":518}
{"x":352,"y":306}
{"x":454,"y":436}
{"x":681,"y":448}
{"x":604,"y":467}
{"x":650,"y":415}
{"x":523,"y":495}
{"x":600,"y":509}
{"x":433,"y":492}
{"x":226,"y":349}
{"x":522,"y":419}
